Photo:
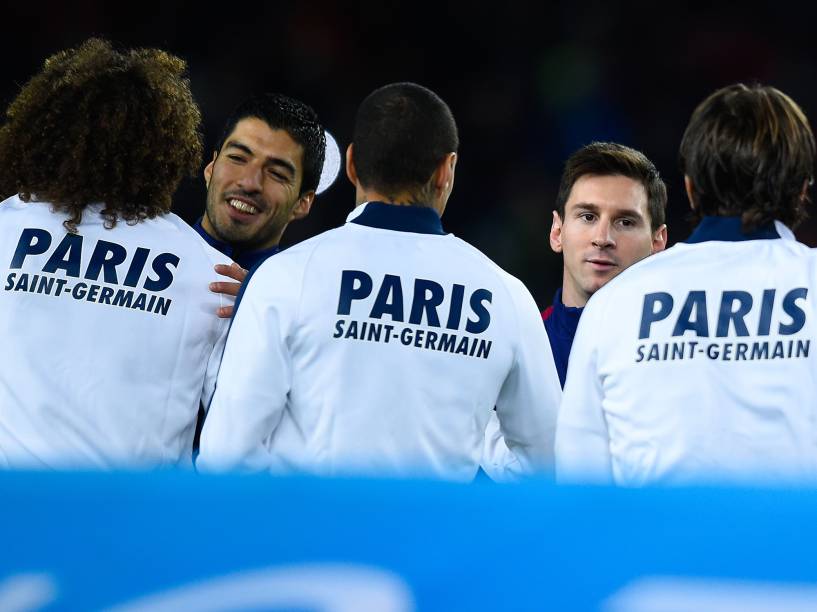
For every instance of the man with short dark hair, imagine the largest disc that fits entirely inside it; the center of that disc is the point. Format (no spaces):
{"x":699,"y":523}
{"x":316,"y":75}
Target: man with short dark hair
{"x":263,"y":175}
{"x":610,"y":212}
{"x":110,"y":338}
{"x":696,"y":363}
{"x":382,"y":346}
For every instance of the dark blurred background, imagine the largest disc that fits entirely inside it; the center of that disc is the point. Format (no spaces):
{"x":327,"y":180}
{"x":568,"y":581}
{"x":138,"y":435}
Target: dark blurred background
{"x":527,"y":85}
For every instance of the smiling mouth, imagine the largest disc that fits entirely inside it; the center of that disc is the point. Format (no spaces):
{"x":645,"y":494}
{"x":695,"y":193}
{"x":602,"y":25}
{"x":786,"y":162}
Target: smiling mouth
{"x":242,"y":206}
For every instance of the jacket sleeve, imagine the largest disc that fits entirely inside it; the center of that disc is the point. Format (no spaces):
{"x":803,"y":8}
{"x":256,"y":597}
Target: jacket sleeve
{"x":499,"y":463}
{"x":255,"y":374}
{"x":213,"y":363}
{"x":582,"y":439}
{"x":528,"y":401}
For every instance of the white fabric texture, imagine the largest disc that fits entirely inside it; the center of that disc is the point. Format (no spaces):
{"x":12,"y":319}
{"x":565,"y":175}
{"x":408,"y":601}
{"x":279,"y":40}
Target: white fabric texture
{"x":366,"y":380}
{"x":697,"y":364}
{"x":110,"y":339}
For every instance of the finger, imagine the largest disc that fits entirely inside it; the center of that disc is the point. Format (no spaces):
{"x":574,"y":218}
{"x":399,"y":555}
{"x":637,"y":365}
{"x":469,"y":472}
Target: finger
{"x":225,"y":288}
{"x":225,"y":312}
{"x":234,"y":271}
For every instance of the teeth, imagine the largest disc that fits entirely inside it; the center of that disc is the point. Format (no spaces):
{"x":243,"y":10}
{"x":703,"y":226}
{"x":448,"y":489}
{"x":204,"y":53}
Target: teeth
{"x":243,"y":206}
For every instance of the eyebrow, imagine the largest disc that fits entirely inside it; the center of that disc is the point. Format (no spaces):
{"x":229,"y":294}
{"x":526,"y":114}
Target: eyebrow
{"x":594,"y":208}
{"x":275,"y":161}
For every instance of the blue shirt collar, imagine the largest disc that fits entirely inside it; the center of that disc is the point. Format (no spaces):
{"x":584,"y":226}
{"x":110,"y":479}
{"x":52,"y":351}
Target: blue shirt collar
{"x":561,"y":328}
{"x":728,"y":229}
{"x":566,"y":317}
{"x":245,"y":259}
{"x":415,"y":219}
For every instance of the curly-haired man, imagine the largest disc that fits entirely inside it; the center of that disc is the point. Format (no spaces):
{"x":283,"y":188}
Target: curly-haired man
{"x":109,"y":332}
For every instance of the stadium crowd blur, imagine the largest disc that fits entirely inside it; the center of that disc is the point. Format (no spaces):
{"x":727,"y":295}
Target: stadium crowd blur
{"x":528,"y":86}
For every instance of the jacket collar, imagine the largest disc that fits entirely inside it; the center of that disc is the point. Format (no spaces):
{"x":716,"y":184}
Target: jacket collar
{"x":728,"y":229}
{"x":245,"y":259}
{"x":414,"y":219}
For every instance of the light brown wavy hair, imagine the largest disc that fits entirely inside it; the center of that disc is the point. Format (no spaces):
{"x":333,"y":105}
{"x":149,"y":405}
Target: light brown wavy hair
{"x":97,"y":125}
{"x":749,"y":151}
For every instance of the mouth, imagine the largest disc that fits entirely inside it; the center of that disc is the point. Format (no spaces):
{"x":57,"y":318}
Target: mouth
{"x":601,"y":264}
{"x":243,"y":206}
{"x":242,"y":209}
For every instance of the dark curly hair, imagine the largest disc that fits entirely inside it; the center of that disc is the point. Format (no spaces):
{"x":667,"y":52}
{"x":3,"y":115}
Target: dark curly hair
{"x":97,"y":125}
{"x":297,"y":119}
{"x":749,"y":152}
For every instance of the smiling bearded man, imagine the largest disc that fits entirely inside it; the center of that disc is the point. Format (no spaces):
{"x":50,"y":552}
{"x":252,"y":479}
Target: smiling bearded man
{"x":264,"y":173}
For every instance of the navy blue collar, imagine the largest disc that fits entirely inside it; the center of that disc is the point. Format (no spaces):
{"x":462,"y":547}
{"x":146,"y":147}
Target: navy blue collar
{"x":561,"y":328}
{"x":245,"y":259}
{"x":415,"y":219}
{"x":728,"y":229}
{"x":566,"y":317}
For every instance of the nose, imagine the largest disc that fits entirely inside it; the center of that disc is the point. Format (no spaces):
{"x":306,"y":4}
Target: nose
{"x":250,"y":179}
{"x":603,"y":237}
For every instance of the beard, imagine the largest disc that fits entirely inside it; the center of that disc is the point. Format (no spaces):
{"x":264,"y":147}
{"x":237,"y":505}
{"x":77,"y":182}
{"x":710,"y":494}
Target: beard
{"x":248,"y":236}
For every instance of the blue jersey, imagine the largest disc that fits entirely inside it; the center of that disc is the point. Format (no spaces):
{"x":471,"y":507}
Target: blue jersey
{"x":561,"y":323}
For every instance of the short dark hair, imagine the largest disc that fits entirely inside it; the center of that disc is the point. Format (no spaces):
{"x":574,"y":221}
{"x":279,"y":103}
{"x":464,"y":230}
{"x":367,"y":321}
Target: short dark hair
{"x":402,"y":133}
{"x":749,"y":151}
{"x":97,"y":125}
{"x":612,"y":159}
{"x":297,"y":119}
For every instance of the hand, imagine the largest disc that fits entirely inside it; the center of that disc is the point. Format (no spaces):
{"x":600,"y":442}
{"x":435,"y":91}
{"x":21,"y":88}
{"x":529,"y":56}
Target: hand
{"x":235,"y":272}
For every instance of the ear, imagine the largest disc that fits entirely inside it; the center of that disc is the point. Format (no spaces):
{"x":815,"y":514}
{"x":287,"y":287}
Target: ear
{"x":690,"y":189}
{"x":208,"y":169}
{"x":351,"y":171}
{"x":444,"y":176}
{"x":302,"y":206}
{"x":556,"y":233}
{"x":659,"y":239}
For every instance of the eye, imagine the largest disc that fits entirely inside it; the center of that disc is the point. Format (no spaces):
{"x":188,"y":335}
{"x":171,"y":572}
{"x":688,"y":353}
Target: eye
{"x":627,"y":222}
{"x":239,"y":159}
{"x":278,"y":176}
{"x":587,"y":217}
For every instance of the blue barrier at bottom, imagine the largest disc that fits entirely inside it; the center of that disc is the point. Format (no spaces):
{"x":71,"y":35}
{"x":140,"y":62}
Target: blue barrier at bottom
{"x":179,"y":541}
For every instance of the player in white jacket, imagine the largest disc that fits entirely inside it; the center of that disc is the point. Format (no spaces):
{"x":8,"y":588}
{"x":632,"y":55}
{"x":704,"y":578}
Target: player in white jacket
{"x":109,"y":331}
{"x":697,"y":363}
{"x":610,"y":212}
{"x":381,"y":347}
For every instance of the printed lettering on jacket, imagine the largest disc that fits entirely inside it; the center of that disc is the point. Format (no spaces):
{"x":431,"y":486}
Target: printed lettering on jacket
{"x":747,"y":326}
{"x":102,"y":273}
{"x":415,"y":312}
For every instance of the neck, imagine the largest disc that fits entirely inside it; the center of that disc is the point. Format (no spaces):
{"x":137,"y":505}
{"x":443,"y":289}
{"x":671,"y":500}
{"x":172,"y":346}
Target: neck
{"x":572,"y":296}
{"x":403,"y":198}
{"x":211,"y":231}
